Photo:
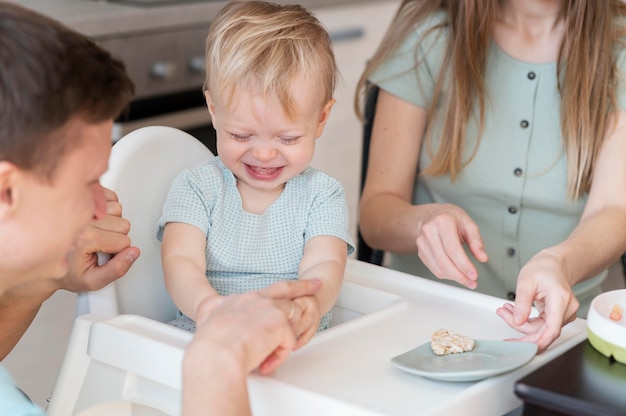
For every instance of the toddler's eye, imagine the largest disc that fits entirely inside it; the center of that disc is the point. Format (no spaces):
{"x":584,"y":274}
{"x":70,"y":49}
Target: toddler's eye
{"x":289,"y":140}
{"x":239,"y":137}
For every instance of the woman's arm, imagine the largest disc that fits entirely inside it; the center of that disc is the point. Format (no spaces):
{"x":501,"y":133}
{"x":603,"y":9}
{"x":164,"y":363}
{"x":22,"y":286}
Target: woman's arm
{"x":388,"y":219}
{"x":184,"y":267}
{"x":596,"y":243}
{"x":600,"y":238}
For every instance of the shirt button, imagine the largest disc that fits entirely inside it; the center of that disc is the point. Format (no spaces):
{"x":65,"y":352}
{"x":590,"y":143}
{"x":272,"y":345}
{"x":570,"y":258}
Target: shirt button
{"x":512,"y":210}
{"x":510,"y":252}
{"x":510,"y":296}
{"x":517,"y":172}
{"x":531,"y":75}
{"x":524,"y":124}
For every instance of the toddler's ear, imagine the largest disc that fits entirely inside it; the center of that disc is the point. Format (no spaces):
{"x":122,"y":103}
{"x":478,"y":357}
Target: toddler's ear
{"x":209,"y":102}
{"x":324,"y":116}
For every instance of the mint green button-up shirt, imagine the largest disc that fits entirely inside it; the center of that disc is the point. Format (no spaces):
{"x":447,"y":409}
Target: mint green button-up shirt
{"x":514,"y":188}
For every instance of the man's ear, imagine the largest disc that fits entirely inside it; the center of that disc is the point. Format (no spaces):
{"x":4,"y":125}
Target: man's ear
{"x":324,"y":116}
{"x":8,"y":172}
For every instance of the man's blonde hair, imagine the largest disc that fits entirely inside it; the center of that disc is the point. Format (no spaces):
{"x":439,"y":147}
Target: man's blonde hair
{"x":268,"y":46}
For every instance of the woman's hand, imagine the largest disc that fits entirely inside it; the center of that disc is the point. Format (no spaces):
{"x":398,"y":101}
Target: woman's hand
{"x":544,"y":280}
{"x":441,"y":233}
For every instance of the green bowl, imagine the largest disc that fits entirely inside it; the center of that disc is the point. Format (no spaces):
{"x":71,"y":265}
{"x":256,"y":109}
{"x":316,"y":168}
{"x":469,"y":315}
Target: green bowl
{"x":606,"y":348}
{"x":605,"y":335}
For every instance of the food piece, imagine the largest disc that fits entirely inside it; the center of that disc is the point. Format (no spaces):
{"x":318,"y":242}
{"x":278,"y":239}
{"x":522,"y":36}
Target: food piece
{"x":444,"y":342}
{"x":616,"y":313}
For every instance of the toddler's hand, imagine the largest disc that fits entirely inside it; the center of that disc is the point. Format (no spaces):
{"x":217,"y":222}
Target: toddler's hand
{"x":305,"y":320}
{"x":207,"y":305}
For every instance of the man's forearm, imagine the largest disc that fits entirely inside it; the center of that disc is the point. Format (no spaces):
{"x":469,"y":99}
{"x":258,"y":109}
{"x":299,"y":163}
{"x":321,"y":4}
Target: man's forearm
{"x":214,"y":383}
{"x":18,"y":308}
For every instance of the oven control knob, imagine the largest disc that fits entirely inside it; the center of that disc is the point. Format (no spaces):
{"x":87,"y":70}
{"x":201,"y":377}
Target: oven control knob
{"x":164,"y":70}
{"x":196,"y":65}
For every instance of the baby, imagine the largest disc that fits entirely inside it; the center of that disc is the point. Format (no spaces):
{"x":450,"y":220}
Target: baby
{"x":257,"y":214}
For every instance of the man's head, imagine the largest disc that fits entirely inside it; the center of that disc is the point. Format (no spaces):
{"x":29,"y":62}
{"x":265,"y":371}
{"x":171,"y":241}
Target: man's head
{"x":59,"y":94}
{"x":49,"y":75}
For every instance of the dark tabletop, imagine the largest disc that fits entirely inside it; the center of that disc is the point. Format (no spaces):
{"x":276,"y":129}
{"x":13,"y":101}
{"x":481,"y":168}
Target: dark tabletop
{"x":580,"y":382}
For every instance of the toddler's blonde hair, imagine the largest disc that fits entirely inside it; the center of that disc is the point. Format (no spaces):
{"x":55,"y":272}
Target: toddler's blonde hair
{"x":263,"y":45}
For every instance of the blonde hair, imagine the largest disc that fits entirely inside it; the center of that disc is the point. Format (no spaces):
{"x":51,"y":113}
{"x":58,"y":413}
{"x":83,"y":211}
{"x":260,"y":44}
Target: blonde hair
{"x":265,"y":45}
{"x":586,"y":71}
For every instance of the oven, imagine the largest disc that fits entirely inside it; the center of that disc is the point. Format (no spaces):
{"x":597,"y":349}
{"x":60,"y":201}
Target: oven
{"x":167,"y":67}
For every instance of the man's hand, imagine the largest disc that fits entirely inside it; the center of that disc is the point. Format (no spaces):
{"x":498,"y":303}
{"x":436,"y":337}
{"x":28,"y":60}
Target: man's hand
{"x":108,"y":235}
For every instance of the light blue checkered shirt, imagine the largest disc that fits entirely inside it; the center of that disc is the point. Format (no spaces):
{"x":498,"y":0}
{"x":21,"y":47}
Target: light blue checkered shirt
{"x":247,"y":251}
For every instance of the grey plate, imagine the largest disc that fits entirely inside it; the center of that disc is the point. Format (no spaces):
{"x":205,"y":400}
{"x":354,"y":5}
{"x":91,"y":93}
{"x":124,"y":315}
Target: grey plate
{"x":488,"y":358}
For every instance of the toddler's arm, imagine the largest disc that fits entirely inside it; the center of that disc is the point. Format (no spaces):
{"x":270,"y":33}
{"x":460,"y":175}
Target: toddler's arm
{"x":324,"y":259}
{"x":184,"y":267}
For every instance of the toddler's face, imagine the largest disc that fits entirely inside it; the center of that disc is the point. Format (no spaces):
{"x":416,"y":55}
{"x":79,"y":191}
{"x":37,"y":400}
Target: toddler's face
{"x":259,"y":143}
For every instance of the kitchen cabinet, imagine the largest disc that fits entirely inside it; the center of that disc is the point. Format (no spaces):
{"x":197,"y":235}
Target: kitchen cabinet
{"x":356,"y":30}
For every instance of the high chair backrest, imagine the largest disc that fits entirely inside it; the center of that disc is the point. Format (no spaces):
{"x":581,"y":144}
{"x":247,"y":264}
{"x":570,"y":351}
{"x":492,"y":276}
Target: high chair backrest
{"x":364,"y":251}
{"x":141,"y":168}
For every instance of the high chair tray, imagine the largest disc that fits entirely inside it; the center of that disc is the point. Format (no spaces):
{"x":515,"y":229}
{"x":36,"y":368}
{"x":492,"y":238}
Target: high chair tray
{"x":135,"y":362}
{"x":347,"y":369}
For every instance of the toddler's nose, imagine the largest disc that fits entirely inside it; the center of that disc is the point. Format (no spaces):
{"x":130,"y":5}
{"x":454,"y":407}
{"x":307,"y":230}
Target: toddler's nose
{"x":265,"y":152}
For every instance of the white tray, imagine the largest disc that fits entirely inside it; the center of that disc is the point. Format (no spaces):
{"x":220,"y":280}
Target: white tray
{"x":131,"y":365}
{"x":347,"y":369}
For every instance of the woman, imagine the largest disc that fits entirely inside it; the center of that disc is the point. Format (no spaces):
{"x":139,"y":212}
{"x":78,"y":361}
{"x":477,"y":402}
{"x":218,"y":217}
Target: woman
{"x":498,"y":151}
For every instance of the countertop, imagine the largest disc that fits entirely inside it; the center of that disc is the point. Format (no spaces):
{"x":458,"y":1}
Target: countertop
{"x":580,"y":382}
{"x":103,"y":19}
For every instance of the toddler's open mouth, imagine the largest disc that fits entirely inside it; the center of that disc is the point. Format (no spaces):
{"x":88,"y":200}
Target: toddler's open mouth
{"x":265,"y":173}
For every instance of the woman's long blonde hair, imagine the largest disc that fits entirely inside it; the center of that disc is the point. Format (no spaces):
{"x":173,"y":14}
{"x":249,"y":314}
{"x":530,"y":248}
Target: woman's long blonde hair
{"x":586,"y":71}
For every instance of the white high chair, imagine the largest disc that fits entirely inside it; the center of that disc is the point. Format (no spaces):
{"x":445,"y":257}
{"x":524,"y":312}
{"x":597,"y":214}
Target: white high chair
{"x":121,"y":360}
{"x":127,"y":365}
{"x":141,"y":168}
